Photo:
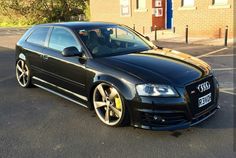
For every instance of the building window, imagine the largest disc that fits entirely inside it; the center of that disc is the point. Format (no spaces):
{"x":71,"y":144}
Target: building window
{"x":188,"y":3}
{"x":141,"y":4}
{"x":220,"y":2}
{"x":125,"y":8}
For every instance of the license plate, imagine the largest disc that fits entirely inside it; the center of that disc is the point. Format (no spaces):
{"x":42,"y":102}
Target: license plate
{"x":204,"y":100}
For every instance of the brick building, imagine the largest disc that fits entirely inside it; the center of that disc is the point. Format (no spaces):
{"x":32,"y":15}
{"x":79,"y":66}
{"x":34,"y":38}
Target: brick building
{"x":204,"y":17}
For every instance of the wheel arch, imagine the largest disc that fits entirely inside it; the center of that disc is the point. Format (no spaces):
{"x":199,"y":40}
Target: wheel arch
{"x":22,"y":56}
{"x":123,"y":87}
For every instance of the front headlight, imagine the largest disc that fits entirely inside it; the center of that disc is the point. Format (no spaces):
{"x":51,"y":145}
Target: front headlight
{"x":156,"y":90}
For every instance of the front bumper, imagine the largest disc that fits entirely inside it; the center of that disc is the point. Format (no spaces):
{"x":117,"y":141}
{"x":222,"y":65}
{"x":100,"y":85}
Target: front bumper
{"x":154,"y":120}
{"x":171,"y":113}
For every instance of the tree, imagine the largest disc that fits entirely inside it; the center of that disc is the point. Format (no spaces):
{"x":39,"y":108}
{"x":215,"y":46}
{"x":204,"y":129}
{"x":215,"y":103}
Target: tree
{"x":38,"y":11}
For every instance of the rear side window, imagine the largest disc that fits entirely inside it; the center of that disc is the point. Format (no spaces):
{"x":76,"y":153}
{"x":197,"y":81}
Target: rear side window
{"x":39,"y":36}
{"x":61,"y":38}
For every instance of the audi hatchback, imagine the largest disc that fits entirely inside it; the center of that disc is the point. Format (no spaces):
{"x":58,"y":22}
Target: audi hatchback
{"x":117,"y":72}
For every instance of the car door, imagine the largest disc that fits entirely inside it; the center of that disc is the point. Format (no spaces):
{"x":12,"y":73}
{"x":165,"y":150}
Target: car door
{"x":66,"y":73}
{"x":33,"y":49}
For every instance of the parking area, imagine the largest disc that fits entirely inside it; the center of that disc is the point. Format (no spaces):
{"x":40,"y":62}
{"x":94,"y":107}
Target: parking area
{"x":35,"y":123}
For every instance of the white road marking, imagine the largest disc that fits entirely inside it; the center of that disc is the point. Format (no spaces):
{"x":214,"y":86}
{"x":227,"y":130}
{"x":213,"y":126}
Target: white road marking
{"x":227,"y":92}
{"x":7,"y":78}
{"x":223,"y":69}
{"x":213,"y":52}
{"x":221,"y":55}
{"x":227,"y":89}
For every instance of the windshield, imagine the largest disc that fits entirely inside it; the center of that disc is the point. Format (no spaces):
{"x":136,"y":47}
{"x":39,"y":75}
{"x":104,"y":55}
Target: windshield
{"x":112,"y":40}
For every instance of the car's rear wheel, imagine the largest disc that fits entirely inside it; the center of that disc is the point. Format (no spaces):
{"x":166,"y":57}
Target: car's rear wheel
{"x":109,"y":105}
{"x":23,"y":73}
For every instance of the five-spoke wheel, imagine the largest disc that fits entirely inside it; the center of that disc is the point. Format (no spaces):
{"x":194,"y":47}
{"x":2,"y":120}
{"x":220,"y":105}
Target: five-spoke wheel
{"x":22,"y":73}
{"x":108,"y":104}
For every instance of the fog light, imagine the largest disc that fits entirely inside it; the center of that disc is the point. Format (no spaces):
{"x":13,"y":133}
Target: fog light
{"x":157,"y":118}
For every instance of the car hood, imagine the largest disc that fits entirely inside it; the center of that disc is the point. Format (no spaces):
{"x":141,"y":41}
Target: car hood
{"x":160,"y":66}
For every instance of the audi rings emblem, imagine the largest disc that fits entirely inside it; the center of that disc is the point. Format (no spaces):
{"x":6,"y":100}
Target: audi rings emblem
{"x":204,"y":86}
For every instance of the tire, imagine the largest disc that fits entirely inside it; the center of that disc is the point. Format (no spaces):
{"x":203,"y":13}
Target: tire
{"x":23,"y":74}
{"x":109,"y":105}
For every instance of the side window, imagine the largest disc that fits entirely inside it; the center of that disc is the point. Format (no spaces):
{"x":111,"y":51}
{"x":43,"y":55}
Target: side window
{"x":38,"y":36}
{"x":61,"y":38}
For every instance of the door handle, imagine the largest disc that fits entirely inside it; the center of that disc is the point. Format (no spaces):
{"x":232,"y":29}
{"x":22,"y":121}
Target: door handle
{"x":45,"y":57}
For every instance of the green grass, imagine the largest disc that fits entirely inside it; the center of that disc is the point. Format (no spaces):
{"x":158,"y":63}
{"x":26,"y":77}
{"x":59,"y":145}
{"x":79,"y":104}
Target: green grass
{"x":14,"y":22}
{"x":7,"y":24}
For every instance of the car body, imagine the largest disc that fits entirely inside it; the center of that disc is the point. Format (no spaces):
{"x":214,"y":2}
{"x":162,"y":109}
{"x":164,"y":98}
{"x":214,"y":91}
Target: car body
{"x":158,"y":88}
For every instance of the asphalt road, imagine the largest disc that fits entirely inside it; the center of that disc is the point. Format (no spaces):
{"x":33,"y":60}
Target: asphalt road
{"x":35,"y":123}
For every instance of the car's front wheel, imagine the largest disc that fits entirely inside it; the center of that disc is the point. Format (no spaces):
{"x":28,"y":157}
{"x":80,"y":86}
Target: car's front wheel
{"x":109,"y":105}
{"x":23,"y":73}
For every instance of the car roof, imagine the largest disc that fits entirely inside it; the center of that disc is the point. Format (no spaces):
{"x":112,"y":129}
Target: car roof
{"x":78,"y":25}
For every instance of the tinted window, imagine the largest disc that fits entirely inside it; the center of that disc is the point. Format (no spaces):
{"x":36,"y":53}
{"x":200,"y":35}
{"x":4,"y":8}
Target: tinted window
{"x":113,"y":40}
{"x":38,"y":36}
{"x":61,"y":38}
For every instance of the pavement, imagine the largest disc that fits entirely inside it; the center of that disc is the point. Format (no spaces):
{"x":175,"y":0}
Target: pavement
{"x":35,"y":123}
{"x":170,"y":37}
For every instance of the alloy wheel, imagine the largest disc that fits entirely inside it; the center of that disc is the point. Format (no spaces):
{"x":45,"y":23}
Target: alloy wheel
{"x":22,"y":73}
{"x":108,"y":104}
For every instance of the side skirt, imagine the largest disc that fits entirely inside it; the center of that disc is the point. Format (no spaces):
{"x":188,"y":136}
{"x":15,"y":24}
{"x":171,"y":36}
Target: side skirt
{"x":55,"y":92}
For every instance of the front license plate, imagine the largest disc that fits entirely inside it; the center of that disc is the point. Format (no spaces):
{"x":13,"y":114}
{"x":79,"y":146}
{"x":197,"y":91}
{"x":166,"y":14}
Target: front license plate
{"x":204,"y":100}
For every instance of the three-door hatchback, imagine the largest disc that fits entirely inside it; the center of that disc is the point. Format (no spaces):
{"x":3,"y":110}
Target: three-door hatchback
{"x":119,"y":73}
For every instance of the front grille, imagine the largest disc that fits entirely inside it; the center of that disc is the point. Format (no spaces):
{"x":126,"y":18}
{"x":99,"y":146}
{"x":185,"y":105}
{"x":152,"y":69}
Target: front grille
{"x":162,"y":119}
{"x":194,"y":94}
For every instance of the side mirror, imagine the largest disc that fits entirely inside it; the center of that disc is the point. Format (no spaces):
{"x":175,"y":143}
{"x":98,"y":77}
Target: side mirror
{"x":147,"y":38}
{"x":71,"y":51}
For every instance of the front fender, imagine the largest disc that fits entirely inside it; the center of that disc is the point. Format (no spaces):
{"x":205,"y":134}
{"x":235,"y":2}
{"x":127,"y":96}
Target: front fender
{"x":125,"y":88}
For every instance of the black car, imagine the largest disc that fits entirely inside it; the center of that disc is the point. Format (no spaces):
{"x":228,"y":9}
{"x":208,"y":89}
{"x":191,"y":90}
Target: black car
{"x":119,"y":73}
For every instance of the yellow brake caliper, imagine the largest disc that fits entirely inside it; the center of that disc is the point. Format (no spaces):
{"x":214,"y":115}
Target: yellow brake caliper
{"x":118,"y":102}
